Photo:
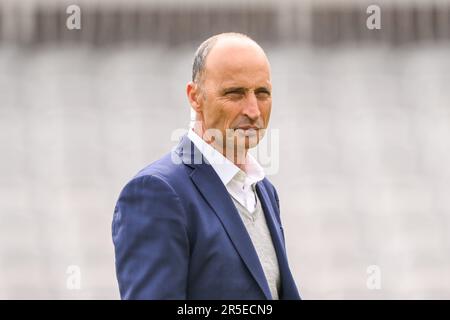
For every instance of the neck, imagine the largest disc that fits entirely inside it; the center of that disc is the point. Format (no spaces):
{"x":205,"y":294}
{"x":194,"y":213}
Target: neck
{"x":236,"y":155}
{"x":239,"y":159}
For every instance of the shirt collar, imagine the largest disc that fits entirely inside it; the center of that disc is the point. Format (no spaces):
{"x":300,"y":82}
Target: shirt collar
{"x":225,"y":169}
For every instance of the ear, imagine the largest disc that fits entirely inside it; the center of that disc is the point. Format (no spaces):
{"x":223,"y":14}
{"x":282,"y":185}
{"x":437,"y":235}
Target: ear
{"x":194,"y":96}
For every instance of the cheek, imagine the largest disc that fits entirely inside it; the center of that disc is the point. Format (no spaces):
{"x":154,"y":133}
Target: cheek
{"x":216,"y":114}
{"x":231,"y":112}
{"x":265,"y":109}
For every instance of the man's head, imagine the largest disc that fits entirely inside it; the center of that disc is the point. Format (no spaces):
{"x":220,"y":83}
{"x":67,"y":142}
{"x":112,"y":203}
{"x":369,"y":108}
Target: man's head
{"x":231,"y":89}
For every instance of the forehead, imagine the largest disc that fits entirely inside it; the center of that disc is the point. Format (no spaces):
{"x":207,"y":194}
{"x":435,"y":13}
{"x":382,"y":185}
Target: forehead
{"x":237,"y":62}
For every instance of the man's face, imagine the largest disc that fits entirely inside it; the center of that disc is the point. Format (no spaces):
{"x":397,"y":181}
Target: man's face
{"x":235,"y":92}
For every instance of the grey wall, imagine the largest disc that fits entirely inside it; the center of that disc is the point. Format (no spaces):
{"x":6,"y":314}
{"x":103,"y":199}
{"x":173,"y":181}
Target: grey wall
{"x":363,"y":118}
{"x":363,"y":165}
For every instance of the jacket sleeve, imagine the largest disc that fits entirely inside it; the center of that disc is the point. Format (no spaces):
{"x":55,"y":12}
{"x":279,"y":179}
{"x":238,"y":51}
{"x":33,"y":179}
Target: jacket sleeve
{"x":151,"y":242}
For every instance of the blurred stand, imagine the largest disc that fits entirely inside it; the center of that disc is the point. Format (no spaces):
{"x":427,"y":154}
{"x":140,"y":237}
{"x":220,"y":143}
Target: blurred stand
{"x":172,"y":23}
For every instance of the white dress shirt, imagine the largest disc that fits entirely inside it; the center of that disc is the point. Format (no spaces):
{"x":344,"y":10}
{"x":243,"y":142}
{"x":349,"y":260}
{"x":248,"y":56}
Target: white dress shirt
{"x":240,"y":184}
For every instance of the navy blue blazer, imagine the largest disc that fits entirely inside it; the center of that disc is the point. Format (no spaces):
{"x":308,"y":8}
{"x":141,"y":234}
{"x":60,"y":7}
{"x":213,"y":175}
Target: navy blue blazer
{"x":178,"y":235}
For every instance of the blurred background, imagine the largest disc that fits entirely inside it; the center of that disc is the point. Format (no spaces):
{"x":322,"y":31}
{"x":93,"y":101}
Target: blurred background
{"x":363,"y":118}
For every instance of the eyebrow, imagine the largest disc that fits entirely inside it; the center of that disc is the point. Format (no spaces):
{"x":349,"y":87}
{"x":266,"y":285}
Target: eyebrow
{"x":262,"y":89}
{"x":243,"y":90}
{"x":234,"y":90}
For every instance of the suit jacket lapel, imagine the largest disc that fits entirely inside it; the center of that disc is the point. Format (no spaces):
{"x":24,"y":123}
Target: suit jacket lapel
{"x":272,"y":222}
{"x":288,"y":287}
{"x":216,"y":195}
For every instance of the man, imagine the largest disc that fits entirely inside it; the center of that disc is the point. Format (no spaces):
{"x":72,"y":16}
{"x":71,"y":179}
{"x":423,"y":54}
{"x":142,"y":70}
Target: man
{"x":203,"y":222}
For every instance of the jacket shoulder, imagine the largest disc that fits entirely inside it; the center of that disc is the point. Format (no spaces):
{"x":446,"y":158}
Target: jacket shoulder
{"x":169,"y":168}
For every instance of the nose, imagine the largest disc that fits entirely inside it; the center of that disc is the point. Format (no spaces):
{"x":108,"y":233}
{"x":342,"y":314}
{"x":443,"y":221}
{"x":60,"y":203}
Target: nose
{"x":251,"y":108}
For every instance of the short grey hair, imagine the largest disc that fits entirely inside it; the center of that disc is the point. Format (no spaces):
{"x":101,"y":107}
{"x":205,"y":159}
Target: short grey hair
{"x":198,"y":67}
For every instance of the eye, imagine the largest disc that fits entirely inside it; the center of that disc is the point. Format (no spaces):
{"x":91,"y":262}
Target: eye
{"x":262,"y":94}
{"x":234,"y":94}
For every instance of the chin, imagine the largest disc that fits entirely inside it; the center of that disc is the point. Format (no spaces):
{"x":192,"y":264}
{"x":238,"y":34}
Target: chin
{"x":251,"y":142}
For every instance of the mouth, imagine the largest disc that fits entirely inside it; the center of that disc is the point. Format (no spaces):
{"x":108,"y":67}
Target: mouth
{"x":247,"y":130}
